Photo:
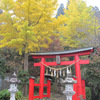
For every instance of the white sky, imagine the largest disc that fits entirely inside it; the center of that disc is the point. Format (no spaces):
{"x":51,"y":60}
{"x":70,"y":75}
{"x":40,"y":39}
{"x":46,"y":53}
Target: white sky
{"x":89,"y":2}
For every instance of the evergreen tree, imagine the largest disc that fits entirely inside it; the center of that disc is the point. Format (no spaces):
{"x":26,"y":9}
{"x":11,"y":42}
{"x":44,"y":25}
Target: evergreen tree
{"x":60,"y":10}
{"x":0,"y":11}
{"x":96,"y":12}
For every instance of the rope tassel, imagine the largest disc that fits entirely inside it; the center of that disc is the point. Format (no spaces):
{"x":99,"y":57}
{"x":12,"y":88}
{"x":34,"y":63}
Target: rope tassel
{"x":63,"y":72}
{"x":60,"y":73}
{"x":54,"y":72}
{"x":50,"y":69}
{"x":47,"y":71}
{"x":57,"y":74}
{"x":70,"y":70}
{"x":60,"y":68}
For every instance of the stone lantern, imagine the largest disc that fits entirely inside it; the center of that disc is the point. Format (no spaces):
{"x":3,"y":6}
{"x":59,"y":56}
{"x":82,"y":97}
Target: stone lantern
{"x":69,"y":81}
{"x":13,"y":86}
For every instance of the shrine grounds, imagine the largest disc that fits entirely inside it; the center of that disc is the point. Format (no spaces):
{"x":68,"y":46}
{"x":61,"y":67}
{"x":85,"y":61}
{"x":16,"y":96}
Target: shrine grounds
{"x":53,"y":97}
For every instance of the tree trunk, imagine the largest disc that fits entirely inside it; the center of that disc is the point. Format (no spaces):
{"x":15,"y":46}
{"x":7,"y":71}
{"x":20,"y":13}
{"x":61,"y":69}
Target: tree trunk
{"x":25,"y":69}
{"x":25,"y":90}
{"x":26,"y":62}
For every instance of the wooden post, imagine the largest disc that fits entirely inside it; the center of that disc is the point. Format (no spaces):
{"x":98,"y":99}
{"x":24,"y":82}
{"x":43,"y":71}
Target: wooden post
{"x":49,"y":88}
{"x":42,"y":71}
{"x":78,"y":75}
{"x":31,"y":88}
{"x":83,"y":88}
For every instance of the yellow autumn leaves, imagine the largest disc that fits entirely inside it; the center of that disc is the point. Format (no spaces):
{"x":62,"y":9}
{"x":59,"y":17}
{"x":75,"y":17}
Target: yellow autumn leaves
{"x":29,"y":24}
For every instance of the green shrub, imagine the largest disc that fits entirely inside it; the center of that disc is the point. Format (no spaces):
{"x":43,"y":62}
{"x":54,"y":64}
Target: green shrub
{"x":5,"y":95}
{"x":2,"y":67}
{"x":23,"y":76}
{"x":18,"y":95}
{"x":88,"y":93}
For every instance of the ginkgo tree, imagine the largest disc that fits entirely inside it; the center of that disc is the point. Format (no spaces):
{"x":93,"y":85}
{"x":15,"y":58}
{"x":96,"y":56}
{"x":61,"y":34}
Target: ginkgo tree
{"x":28,"y":25}
{"x":79,"y":22}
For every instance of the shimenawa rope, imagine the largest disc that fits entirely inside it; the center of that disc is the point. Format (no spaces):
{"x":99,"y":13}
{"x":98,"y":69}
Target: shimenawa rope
{"x":60,"y":68}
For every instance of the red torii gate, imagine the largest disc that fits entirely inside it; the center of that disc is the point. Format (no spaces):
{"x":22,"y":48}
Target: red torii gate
{"x":79,"y":88}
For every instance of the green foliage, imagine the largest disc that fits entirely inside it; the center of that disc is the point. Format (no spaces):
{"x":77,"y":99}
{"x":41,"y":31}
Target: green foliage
{"x":12,"y":59}
{"x":18,"y":95}
{"x":23,"y":76}
{"x":88,"y":93}
{"x":4,"y":95}
{"x":2,"y":67}
{"x":91,"y":73}
{"x":93,"y":78}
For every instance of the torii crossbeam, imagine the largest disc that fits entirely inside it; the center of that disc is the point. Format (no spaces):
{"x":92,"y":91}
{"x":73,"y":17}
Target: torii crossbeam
{"x":70,"y":53}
